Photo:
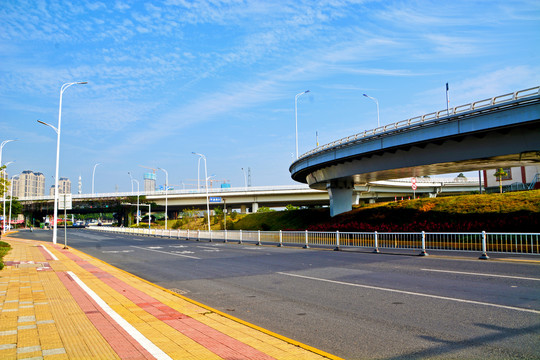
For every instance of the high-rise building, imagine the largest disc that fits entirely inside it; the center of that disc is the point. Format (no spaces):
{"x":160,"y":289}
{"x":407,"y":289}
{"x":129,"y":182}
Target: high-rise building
{"x":149,"y":182}
{"x":64,"y":187}
{"x":28,"y":184}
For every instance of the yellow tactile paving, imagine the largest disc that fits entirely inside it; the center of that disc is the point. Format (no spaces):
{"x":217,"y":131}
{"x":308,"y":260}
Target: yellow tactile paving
{"x":40,"y":318}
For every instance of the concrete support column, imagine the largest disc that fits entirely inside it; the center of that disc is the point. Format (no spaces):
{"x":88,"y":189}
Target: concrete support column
{"x":254,"y":207}
{"x":341,"y":197}
{"x":242,"y":209}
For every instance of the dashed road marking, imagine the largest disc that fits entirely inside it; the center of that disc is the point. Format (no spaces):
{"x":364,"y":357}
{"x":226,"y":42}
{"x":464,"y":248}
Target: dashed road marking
{"x":480,"y":274}
{"x":414,"y":293}
{"x":166,"y":252}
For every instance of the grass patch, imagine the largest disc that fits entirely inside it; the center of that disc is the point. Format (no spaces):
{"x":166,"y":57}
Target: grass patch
{"x":4,"y":249}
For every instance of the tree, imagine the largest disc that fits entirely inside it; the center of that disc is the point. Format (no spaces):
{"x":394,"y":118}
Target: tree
{"x":4,"y":183}
{"x":499,"y":174}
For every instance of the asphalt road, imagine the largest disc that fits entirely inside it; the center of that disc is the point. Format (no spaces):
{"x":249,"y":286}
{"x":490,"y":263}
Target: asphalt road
{"x":351,"y":304}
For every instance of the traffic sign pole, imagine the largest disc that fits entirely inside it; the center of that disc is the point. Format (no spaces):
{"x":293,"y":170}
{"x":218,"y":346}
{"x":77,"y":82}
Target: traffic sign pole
{"x":414,"y":187}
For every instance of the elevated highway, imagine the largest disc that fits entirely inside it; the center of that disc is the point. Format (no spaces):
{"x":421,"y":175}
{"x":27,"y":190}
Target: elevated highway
{"x":503,"y":131}
{"x":247,"y":199}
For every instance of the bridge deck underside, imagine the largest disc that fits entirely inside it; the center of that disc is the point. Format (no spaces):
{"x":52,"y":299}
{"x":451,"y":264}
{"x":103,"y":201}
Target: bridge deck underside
{"x":502,"y":139}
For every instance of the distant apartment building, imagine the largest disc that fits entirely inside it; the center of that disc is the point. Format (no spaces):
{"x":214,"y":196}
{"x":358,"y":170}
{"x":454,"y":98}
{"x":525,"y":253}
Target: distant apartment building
{"x":517,"y":178}
{"x":28,"y":184}
{"x":64,"y":187}
{"x":149,"y":182}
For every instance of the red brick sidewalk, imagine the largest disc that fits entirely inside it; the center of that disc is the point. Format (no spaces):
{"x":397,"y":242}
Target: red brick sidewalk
{"x":64,"y":304}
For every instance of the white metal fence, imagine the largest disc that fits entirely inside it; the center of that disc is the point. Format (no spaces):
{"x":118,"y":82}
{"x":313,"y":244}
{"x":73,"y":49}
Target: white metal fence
{"x":515,"y":243}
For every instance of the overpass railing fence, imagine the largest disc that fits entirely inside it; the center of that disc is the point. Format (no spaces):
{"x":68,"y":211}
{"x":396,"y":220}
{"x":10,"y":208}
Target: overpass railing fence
{"x":483,"y":242}
{"x":474,"y":107}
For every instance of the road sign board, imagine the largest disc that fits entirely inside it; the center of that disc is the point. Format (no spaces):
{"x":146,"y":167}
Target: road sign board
{"x":413,"y":180}
{"x":64,"y":202}
{"x":414,"y":186}
{"x":214,"y":199}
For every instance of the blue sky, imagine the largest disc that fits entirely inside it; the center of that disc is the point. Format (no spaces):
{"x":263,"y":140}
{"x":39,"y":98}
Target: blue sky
{"x":219,"y":77}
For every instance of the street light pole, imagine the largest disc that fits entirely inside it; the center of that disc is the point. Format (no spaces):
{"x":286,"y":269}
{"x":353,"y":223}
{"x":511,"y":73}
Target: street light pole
{"x":137,"y":217}
{"x":198,"y":172}
{"x":376,"y":102}
{"x":166,"y":186}
{"x":93,"y":174}
{"x":296,"y":117}
{"x":57,"y":130}
{"x":245,"y":178}
{"x":1,"y":173}
{"x":4,"y":200}
{"x":201,"y":156}
{"x":11,"y":199}
{"x":131,"y":178}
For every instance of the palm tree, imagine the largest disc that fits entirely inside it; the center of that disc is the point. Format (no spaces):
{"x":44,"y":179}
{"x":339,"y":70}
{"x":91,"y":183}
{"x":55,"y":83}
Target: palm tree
{"x":500,"y":173}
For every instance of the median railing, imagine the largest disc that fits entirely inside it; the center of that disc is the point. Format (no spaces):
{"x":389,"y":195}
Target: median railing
{"x":483,"y":242}
{"x":446,"y":114}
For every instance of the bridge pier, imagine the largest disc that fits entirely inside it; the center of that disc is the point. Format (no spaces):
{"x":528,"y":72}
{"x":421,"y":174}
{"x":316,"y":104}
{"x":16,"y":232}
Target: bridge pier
{"x":341,"y":197}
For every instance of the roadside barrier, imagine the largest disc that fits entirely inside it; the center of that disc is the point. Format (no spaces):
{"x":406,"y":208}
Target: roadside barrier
{"x":483,"y":242}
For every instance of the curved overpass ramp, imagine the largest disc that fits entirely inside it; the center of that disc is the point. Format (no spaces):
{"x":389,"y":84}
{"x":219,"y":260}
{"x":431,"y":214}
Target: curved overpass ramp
{"x":503,"y":131}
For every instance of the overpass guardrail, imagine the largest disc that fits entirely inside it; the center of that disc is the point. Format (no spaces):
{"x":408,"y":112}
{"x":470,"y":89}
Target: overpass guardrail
{"x":441,"y":115}
{"x":482,"y":242}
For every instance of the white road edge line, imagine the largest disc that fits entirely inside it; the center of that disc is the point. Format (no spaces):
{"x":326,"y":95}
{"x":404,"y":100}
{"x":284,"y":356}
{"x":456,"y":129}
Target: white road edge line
{"x":135,"y":334}
{"x":50,"y":253}
{"x":480,"y":274}
{"x":416,"y":294}
{"x":165,"y":252}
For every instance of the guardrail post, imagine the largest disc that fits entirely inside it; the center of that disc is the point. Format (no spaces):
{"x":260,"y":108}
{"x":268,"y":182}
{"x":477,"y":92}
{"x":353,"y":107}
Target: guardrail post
{"x":280,"y":239}
{"x":198,"y":235}
{"x":337,"y":241}
{"x":423,"y":253}
{"x":187,"y":234}
{"x":240,"y":242}
{"x":258,"y":237}
{"x":376,"y":250}
{"x":484,"y":255}
{"x":306,"y":246}
{"x":225,"y":239}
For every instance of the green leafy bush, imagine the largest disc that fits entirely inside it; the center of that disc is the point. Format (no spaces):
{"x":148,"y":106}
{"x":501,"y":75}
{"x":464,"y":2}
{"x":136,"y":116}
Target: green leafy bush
{"x":4,"y":249}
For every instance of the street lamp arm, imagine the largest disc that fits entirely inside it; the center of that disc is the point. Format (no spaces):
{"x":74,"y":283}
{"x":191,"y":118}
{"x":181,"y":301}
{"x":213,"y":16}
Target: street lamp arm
{"x":49,"y":125}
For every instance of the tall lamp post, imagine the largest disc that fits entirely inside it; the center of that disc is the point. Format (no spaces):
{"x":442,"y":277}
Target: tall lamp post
{"x":4,"y":200}
{"x":166,"y":187}
{"x":201,"y":156}
{"x":137,"y":217}
{"x":11,"y":198}
{"x":376,"y":102}
{"x":93,"y":175}
{"x":2,"y":147}
{"x":2,"y":172}
{"x":57,"y":130}
{"x":131,"y":178}
{"x":245,"y":178}
{"x":296,"y":117}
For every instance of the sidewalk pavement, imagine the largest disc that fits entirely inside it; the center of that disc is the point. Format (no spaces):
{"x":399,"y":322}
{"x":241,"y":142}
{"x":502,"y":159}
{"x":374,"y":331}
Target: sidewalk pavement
{"x":60,"y":303}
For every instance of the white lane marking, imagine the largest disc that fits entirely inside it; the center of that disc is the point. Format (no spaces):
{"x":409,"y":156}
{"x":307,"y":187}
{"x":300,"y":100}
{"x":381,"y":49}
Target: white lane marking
{"x":50,"y":253}
{"x":135,"y":334}
{"x":415,"y":293}
{"x":165,"y":252}
{"x":480,"y":274}
{"x":116,"y":251}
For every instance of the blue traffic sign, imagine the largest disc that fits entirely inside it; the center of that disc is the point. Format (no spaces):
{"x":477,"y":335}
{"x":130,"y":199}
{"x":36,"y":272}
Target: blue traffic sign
{"x":214,"y":199}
